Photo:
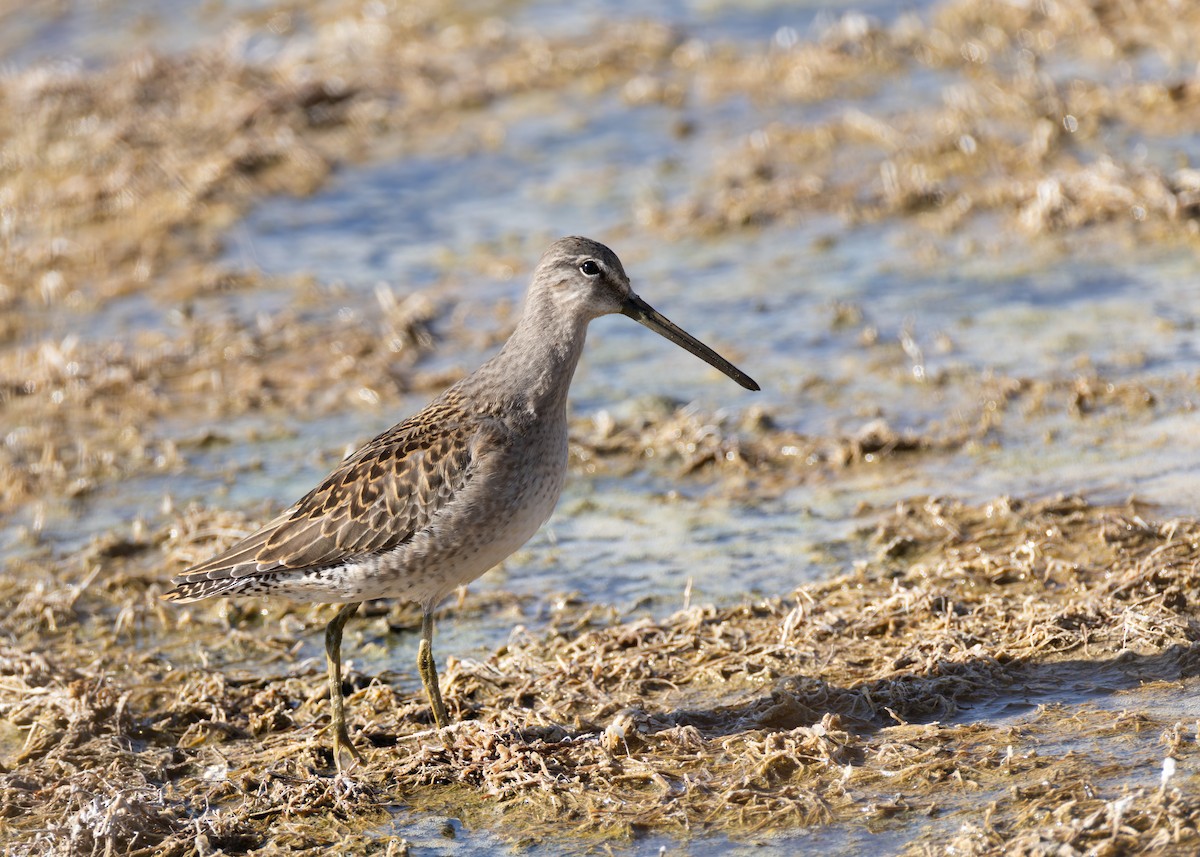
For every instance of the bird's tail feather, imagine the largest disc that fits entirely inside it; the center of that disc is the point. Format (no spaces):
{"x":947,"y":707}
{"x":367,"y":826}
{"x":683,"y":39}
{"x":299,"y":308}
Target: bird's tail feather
{"x":186,"y":591}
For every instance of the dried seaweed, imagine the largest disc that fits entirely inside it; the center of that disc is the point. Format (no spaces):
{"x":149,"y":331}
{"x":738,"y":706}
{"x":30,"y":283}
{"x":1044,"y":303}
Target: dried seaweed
{"x":846,"y":698}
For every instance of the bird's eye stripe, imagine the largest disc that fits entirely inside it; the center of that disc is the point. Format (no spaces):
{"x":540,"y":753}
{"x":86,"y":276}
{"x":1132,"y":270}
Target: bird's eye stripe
{"x":589,"y":268}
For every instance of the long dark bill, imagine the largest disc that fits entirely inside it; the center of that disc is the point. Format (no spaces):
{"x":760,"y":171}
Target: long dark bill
{"x":642,"y":312}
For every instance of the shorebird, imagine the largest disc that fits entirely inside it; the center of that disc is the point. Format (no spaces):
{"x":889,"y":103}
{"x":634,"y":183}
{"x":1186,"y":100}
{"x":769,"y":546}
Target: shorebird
{"x":434,"y":502}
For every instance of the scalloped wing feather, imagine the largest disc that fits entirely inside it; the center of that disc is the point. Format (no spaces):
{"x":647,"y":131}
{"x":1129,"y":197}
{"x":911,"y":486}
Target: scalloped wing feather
{"x":375,"y":501}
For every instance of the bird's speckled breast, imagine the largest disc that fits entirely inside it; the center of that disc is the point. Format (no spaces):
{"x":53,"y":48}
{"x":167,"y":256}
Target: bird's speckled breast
{"x":510,"y":496}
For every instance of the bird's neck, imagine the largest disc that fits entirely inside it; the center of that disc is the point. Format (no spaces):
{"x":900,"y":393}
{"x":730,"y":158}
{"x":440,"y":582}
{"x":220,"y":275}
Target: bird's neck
{"x":533,"y":370}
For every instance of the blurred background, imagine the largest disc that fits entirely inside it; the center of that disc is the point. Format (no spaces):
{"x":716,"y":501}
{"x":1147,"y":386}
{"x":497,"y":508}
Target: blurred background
{"x":955,"y":242}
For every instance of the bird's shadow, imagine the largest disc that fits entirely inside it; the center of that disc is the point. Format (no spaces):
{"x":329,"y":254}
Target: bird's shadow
{"x":971,"y":690}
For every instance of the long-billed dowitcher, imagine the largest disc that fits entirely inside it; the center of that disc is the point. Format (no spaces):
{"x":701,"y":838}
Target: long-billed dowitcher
{"x":437,"y":500}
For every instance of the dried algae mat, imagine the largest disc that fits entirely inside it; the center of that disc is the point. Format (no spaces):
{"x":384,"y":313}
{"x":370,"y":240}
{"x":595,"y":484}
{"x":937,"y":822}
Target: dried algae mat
{"x":1004,"y":678}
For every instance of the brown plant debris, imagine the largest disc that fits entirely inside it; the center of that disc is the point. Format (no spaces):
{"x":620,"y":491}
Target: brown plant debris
{"x":1029,"y":126}
{"x":854,"y":698}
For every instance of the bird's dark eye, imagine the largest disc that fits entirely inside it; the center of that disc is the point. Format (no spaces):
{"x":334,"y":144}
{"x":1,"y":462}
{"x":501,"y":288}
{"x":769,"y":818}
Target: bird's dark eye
{"x":589,"y":269}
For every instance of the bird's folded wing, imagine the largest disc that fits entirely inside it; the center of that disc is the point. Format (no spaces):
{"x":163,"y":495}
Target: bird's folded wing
{"x":376,"y":500}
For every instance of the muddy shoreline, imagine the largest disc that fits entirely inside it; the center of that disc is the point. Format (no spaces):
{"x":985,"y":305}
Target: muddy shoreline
{"x":999,"y":676}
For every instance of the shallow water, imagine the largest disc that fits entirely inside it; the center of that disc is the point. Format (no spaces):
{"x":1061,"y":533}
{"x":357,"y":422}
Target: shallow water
{"x":767,"y":298}
{"x":92,"y":33}
{"x":445,"y":836}
{"x":95,"y":32}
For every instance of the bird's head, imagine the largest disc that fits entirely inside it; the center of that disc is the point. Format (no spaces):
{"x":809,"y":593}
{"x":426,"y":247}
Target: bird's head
{"x":582,"y":279}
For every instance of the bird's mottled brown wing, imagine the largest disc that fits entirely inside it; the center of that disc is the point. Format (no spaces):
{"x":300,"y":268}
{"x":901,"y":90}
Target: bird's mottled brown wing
{"x":375,"y":501}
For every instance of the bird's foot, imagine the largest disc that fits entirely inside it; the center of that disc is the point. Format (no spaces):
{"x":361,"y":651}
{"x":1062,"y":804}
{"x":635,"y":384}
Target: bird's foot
{"x":341,"y":741}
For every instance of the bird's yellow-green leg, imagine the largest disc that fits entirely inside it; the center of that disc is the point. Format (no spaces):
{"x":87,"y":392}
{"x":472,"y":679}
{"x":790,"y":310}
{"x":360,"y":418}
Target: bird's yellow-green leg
{"x":333,"y":656}
{"x":428,"y":670}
